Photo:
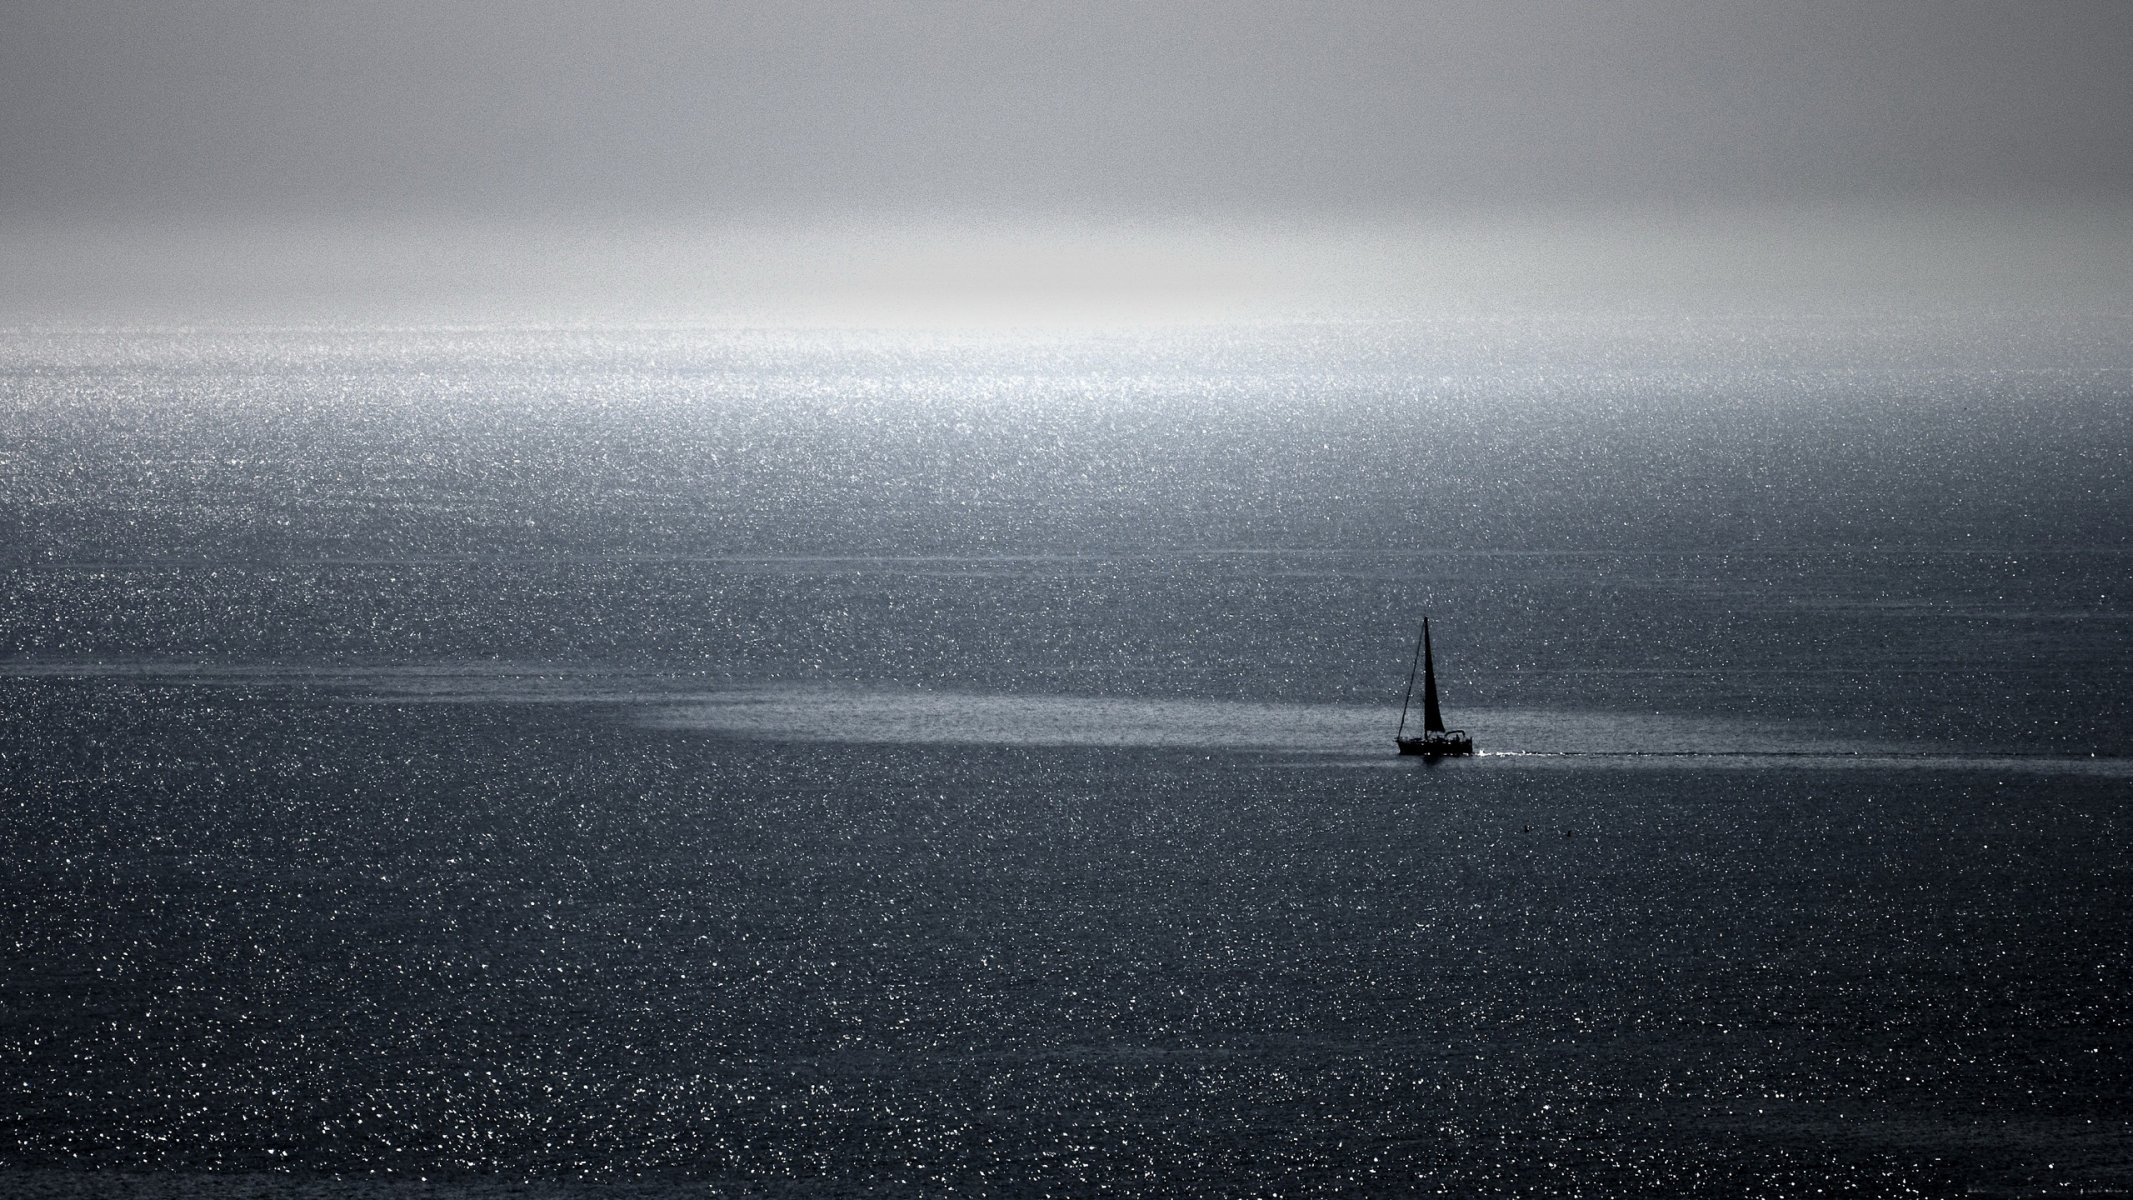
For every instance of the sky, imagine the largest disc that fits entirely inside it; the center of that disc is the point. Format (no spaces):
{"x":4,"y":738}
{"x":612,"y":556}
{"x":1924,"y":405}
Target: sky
{"x":1222,"y":144}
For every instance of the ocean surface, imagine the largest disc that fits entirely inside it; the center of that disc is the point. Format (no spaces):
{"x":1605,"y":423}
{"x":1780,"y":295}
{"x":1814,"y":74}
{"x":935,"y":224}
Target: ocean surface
{"x":467,"y":762}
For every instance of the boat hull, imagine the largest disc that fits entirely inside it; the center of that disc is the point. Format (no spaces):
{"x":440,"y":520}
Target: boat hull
{"x":1437,"y":745}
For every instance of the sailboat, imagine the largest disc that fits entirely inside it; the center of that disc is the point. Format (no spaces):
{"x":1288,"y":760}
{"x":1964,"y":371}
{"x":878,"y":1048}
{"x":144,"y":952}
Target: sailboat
{"x":1436,"y":741}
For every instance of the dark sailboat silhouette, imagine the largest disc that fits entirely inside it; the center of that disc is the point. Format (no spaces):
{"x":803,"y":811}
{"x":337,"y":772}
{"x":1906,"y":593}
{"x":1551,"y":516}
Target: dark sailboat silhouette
{"x":1436,"y":741}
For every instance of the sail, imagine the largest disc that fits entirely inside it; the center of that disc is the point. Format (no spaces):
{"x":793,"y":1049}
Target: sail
{"x":1432,"y":720}
{"x":1408,"y":697}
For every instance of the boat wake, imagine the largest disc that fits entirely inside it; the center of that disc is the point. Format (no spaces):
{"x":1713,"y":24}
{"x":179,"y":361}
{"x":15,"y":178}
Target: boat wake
{"x":2110,"y":766}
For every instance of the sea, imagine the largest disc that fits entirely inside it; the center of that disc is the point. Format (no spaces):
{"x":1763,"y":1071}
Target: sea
{"x":555,"y":761}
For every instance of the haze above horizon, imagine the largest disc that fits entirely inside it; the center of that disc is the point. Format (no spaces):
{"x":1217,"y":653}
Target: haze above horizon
{"x":655,"y":159}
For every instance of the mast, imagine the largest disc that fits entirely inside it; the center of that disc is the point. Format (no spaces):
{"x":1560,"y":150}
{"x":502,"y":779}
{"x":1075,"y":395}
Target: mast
{"x":1406,"y":699}
{"x":1432,"y":720}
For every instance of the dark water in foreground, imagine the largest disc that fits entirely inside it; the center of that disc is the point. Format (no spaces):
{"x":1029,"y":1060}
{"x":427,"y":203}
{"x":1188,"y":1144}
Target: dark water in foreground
{"x":487,"y":764}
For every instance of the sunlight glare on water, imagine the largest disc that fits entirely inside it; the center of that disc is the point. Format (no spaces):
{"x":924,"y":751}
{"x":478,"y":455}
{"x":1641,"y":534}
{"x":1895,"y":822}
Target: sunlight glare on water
{"x":743,"y":759}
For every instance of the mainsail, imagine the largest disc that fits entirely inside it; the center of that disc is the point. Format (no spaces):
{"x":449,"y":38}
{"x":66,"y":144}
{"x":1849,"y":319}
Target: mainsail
{"x":1432,"y":720}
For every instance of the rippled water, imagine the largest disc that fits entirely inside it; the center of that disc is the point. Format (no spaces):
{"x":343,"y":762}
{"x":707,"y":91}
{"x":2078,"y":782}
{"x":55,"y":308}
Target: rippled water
{"x":484,"y":762}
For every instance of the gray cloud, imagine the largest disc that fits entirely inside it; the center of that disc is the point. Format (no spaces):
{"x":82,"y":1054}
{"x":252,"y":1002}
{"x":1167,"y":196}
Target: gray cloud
{"x":656,"y":107}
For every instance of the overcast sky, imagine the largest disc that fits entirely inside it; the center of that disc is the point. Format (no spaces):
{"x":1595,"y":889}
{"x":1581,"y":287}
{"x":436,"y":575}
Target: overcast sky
{"x":536,"y":107}
{"x":657,"y":156}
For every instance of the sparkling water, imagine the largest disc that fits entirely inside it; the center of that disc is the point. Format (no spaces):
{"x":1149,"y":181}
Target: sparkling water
{"x":756,"y":762}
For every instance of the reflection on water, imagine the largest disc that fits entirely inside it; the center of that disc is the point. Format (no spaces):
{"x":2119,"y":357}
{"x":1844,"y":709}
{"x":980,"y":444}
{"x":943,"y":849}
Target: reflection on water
{"x":823,"y":714}
{"x":383,"y":928}
{"x":1329,"y":734}
{"x":754,"y":761}
{"x":1346,"y":733}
